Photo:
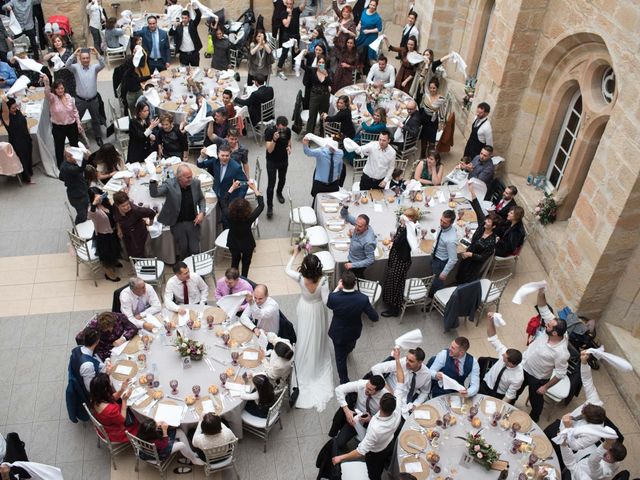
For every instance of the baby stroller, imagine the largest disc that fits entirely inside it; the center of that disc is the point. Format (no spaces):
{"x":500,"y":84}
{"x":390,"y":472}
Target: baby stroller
{"x":582,"y":333}
{"x":59,"y":25}
{"x":240,"y":33}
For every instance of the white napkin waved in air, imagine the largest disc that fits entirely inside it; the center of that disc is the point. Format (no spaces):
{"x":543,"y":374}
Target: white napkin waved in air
{"x":322,"y":142}
{"x":460,"y":64}
{"x":590,"y":429}
{"x":20,"y":84}
{"x":153,"y":96}
{"x":39,"y":470}
{"x":58,"y":64}
{"x":415,"y":58}
{"x":449,"y":383}
{"x":375,"y":45}
{"x":616,"y":361}
{"x":413,"y":230}
{"x":212,"y":151}
{"x":14,"y":25}
{"x":230,"y":304}
{"x":78,"y":153}
{"x":199,"y":121}
{"x":297,"y":62}
{"x":155,"y":230}
{"x":350,"y":145}
{"x":498,"y":320}
{"x":137,"y":55}
{"x":479,"y":187}
{"x":527,"y":289}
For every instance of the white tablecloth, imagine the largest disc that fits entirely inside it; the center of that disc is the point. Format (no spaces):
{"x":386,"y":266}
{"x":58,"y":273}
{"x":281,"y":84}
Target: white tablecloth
{"x":452,"y":449}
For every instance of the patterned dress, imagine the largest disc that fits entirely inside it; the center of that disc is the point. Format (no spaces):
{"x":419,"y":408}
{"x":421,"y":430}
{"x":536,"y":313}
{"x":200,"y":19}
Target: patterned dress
{"x":397,"y":268}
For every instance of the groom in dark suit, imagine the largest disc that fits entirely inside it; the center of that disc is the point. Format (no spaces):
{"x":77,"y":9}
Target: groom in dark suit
{"x":348,"y":305}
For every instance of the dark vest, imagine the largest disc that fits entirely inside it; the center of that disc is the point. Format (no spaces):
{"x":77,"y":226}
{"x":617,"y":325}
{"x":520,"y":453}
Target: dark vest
{"x":449,"y":370}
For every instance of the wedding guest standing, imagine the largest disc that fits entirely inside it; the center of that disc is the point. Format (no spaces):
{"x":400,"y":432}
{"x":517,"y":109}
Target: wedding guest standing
{"x":432,"y":104}
{"x":106,"y":239}
{"x":132,"y":227}
{"x":221,"y":46}
{"x":65,"y":121}
{"x":345,"y":65}
{"x":407,"y":72}
{"x":370,"y":27}
{"x":19,"y":137}
{"x":260,"y":57}
{"x":346,"y":30}
{"x":289,"y":30}
{"x":72,"y":175}
{"x":187,"y":40}
{"x":403,"y":242}
{"x":63,"y":51}
{"x":320,"y":83}
{"x":156,"y":42}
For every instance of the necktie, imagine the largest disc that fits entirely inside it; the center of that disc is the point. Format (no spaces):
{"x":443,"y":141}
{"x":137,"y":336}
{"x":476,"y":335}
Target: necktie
{"x":435,"y":247}
{"x":185,"y":292}
{"x":331,"y":168}
{"x":156,"y":47}
{"x":500,"y":205}
{"x":498,"y":378}
{"x":367,"y":405}
{"x":412,"y":388}
{"x":456,"y":363}
{"x":140,"y":307}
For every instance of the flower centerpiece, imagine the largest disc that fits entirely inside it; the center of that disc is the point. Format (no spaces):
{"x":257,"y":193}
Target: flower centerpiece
{"x":546,"y":210}
{"x":480,"y":450}
{"x":400,"y":211}
{"x":187,"y":347}
{"x":469,"y":91}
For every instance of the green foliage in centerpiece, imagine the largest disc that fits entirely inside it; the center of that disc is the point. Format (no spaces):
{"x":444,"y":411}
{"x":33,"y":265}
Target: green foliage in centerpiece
{"x":480,"y":450}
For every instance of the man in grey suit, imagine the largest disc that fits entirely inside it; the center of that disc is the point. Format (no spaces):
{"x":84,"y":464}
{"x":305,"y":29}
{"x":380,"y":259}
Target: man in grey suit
{"x":183,"y":210}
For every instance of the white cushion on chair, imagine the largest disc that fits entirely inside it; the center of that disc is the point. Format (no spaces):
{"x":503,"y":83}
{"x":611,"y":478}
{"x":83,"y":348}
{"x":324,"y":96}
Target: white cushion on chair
{"x":221,"y":464}
{"x":85,"y":230}
{"x":221,"y":240}
{"x":258,"y":422}
{"x":115,"y":50}
{"x":328,"y":263}
{"x":304,"y":115}
{"x":485,"y":283}
{"x":418,"y":293}
{"x":355,"y":187}
{"x":123,"y":124}
{"x":92,"y":252}
{"x":560,"y":390}
{"x":444,"y":295}
{"x":317,"y":236}
{"x":304,"y":215}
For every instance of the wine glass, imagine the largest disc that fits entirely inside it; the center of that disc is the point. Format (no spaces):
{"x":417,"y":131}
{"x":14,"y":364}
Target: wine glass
{"x":184,"y":98}
{"x":146,"y":341}
{"x":223,"y":378}
{"x":190,"y":324}
{"x":234,"y":357}
{"x":196,"y":390}
{"x":225,"y":338}
{"x":174,"y":387}
{"x":168,"y":327}
{"x":210,"y":321}
{"x":150,"y":376}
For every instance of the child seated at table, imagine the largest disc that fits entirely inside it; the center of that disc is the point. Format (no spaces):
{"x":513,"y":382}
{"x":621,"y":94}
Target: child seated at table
{"x":164,"y":439}
{"x":171,"y":141}
{"x":211,"y":433}
{"x":397,"y":182}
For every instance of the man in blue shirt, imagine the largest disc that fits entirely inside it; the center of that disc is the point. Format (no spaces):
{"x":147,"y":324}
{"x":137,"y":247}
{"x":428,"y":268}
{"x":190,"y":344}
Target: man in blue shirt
{"x":363,"y":243}
{"x":7,"y":75}
{"x":481,"y":167}
{"x":326,"y":177}
{"x":445,"y":254}
{"x":156,"y":42}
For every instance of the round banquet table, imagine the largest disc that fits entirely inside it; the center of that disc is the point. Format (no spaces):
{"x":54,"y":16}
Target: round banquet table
{"x":174,"y":80}
{"x":451,"y":449}
{"x":206,"y":372}
{"x":163,"y":245}
{"x":384,"y":220}
{"x":393,"y":100}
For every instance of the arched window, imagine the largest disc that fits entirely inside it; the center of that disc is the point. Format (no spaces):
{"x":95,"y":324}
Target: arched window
{"x":565,"y":142}
{"x":482,"y":36}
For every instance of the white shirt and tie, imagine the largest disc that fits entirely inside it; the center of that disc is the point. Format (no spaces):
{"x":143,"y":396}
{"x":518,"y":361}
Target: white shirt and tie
{"x":144,"y":305}
{"x":364,"y":402}
{"x":510,"y":379}
{"x":196,"y":288}
{"x":420,"y":380}
{"x":381,"y":429}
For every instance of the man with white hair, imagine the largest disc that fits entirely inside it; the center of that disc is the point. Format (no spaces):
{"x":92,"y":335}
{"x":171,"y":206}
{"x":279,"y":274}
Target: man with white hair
{"x":138,"y":301}
{"x":184,"y":209}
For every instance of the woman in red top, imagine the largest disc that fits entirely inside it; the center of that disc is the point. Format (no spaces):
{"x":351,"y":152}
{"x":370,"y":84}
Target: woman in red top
{"x":107,"y":410}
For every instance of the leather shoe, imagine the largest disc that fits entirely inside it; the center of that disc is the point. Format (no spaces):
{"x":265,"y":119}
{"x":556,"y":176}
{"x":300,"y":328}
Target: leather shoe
{"x":280,"y":197}
{"x":390,"y":313}
{"x":99,"y":142}
{"x":117,"y":279}
{"x":269,"y":212}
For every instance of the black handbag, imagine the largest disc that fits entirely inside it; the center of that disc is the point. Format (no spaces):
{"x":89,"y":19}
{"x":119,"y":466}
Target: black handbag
{"x":294,"y":392}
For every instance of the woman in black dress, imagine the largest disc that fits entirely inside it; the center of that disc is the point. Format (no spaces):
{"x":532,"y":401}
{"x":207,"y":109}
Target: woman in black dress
{"x":308,"y":62}
{"x":141,"y":140}
{"x":261,"y":399}
{"x":19,"y":136}
{"x":63,"y":74}
{"x":239,"y":216}
{"x":398,"y":264}
{"x":320,"y":87}
{"x":483,"y":244}
{"x":106,"y":239}
{"x":343,"y":117}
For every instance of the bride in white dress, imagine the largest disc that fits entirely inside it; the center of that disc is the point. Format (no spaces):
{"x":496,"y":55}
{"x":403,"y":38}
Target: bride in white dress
{"x":312,"y":357}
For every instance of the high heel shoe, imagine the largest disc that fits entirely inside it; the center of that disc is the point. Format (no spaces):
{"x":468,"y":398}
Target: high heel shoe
{"x":117,"y":279}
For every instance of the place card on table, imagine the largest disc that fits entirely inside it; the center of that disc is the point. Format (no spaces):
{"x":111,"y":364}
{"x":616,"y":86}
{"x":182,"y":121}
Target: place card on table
{"x":455,"y":401}
{"x":522,"y":437}
{"x":208,"y":406}
{"x":490,"y":407}
{"x":422,"y":414}
{"x":250,"y":355}
{"x":377,"y":207}
{"x":413,"y":467}
{"x":115,"y":351}
{"x":123,"y":369}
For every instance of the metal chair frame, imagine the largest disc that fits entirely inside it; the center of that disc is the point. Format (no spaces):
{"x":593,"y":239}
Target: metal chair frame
{"x":85,"y":247}
{"x":220,"y":454}
{"x":266,"y":112}
{"x":149,"y":263}
{"x":148,"y":448}
{"x":420,"y":286}
{"x":371,"y":288}
{"x":204,"y":260}
{"x":114,"y":448}
{"x":274,"y":411}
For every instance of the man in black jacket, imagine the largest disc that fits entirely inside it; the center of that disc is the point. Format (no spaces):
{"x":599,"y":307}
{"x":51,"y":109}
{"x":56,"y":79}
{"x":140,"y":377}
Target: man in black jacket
{"x":72,"y":174}
{"x":411,"y":125}
{"x":507,"y":202}
{"x":263,"y":94}
{"x":186,"y":38}
{"x":348,"y":305}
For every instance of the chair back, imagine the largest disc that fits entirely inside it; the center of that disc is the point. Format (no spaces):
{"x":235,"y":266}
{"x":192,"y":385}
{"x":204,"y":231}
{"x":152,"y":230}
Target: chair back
{"x":291,"y":205}
{"x":267,"y":111}
{"x":274,"y":410}
{"x":102,"y":433}
{"x":496,"y":289}
{"x":332,"y":128}
{"x":354,"y":76}
{"x":147,"y":448}
{"x":233,"y":123}
{"x":81,"y":246}
{"x":203,"y":263}
{"x":408,"y":147}
{"x":358,"y":167}
{"x":366,"y":137}
{"x":416,"y":289}
{"x":147,"y":269}
{"x":218,"y":454}
{"x":235,"y":57}
{"x":369,"y":287}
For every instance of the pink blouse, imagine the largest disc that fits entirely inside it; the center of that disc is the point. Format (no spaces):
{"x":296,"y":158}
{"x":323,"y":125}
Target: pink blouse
{"x":62,"y":114}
